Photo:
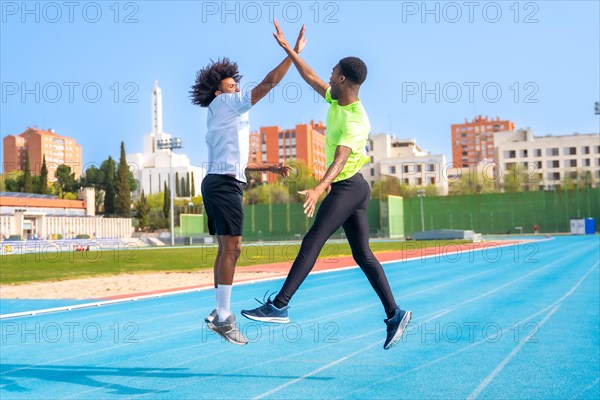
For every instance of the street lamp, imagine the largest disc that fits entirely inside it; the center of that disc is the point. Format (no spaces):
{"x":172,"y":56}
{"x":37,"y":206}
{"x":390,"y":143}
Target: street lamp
{"x":421,"y":194}
{"x":170,"y":144}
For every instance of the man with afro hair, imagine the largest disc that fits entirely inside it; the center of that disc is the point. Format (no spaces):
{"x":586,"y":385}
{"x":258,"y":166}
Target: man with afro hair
{"x":228,"y":141}
{"x":346,"y":203}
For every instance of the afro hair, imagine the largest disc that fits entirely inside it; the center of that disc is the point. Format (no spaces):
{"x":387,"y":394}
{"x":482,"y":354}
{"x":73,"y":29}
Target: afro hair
{"x":354,"y":69}
{"x":209,"y":78}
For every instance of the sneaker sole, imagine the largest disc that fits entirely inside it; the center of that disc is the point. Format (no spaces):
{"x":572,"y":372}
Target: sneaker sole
{"x":276,"y":320}
{"x":211,"y":327}
{"x":400,"y":331}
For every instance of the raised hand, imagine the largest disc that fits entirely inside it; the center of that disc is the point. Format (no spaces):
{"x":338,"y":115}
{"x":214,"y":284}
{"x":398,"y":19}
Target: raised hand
{"x":281,"y":39}
{"x":281,"y":169}
{"x":301,"y":41}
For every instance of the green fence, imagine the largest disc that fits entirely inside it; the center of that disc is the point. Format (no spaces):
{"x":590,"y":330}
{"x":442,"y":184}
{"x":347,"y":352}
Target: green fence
{"x":502,"y":212}
{"x":288,"y":222}
{"x":396,"y":217}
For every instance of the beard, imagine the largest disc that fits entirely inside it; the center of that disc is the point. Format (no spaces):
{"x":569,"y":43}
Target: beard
{"x":334,"y":93}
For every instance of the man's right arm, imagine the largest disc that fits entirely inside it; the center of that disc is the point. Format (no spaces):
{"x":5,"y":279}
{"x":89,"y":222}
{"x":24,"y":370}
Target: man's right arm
{"x":303,"y":68}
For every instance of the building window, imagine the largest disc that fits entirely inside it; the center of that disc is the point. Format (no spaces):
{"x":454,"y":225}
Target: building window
{"x":570,"y":151}
{"x":524,"y":153}
{"x":553,"y":151}
{"x":432,"y":180}
{"x":372,"y":171}
{"x":585,"y":150}
{"x":554,"y":176}
{"x":372,"y":159}
{"x":553,"y":164}
{"x":572,"y":163}
{"x":538,"y":152}
{"x":586,"y":162}
{"x":538,"y":165}
{"x":392,"y":169}
{"x":430,"y":168}
{"x":510,"y":154}
{"x":371,"y":145}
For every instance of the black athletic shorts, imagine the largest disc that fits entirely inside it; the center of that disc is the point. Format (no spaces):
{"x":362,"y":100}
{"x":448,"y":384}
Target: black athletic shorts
{"x":222,"y":197}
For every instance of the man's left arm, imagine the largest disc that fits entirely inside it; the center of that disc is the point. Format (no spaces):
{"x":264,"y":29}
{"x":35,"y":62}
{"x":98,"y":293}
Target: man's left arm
{"x":312,"y":196}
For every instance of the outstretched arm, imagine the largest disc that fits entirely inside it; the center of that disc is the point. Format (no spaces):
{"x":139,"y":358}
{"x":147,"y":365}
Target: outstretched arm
{"x":305,"y":71}
{"x":279,"y":168}
{"x":276,"y":75}
{"x":312,"y":196}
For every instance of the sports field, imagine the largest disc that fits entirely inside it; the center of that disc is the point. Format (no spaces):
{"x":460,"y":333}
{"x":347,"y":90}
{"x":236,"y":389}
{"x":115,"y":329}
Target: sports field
{"x":520,"y":321}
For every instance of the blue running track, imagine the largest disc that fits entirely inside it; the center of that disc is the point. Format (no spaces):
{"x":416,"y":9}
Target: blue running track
{"x":516,"y":322}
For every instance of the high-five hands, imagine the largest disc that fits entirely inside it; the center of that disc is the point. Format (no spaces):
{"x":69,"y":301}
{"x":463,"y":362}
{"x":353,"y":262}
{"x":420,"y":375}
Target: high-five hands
{"x":300,"y":42}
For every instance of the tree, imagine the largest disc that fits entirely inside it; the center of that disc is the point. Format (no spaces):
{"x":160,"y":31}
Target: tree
{"x":12,"y":181}
{"x":517,"y":178}
{"x":108,"y":172}
{"x":301,"y":178}
{"x":471,"y":183}
{"x":431,"y":190}
{"x":177,"y":191}
{"x":388,"y":186}
{"x":65,"y":180}
{"x":123,"y":191}
{"x":188,"y":190}
{"x":183,"y":187}
{"x":193,"y":194}
{"x":94,"y":177}
{"x":166,"y":201}
{"x":579,"y":179}
{"x":44,"y":177}
{"x":274,"y":193}
{"x":143,"y":210}
{"x":27,"y":183}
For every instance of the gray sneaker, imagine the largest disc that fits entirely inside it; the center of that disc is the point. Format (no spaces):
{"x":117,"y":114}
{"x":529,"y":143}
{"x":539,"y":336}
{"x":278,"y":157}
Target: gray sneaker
{"x":228,"y":330}
{"x":209,"y":318}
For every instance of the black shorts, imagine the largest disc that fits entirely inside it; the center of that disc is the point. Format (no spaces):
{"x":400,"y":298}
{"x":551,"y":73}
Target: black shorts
{"x":222,"y":197}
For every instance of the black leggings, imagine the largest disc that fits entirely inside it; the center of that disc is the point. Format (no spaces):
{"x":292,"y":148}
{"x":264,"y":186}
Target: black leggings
{"x":346,"y":206}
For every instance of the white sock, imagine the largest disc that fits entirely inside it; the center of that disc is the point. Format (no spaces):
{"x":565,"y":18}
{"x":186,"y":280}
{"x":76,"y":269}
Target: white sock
{"x":223,"y":302}
{"x":216,"y":296}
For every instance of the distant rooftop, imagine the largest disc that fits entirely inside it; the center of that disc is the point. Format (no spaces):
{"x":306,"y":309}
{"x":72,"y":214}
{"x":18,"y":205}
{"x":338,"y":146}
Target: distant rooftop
{"x":28,"y":195}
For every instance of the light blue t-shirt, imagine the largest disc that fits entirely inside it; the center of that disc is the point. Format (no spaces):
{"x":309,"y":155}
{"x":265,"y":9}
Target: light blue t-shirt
{"x":228,"y":135}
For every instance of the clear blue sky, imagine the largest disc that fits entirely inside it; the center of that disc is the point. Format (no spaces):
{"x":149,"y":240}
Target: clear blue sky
{"x":543,"y":56}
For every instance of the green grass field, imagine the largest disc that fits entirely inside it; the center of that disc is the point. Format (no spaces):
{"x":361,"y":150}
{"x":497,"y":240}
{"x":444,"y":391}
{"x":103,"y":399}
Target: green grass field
{"x":51,"y":266}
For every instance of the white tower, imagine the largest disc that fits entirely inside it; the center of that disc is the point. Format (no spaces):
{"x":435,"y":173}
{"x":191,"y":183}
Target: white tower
{"x":157,"y":125}
{"x":153,"y":167}
{"x":157,"y":122}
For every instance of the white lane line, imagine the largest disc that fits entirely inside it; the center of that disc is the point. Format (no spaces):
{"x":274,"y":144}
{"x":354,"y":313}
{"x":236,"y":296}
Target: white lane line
{"x":585,"y":389}
{"x":499,"y":334}
{"x":488,"y":379}
{"x":436,"y":315}
{"x":314,"y":372}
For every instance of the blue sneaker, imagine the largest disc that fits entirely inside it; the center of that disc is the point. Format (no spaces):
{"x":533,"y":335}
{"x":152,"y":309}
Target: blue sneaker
{"x":395,"y":327}
{"x":267,"y":312}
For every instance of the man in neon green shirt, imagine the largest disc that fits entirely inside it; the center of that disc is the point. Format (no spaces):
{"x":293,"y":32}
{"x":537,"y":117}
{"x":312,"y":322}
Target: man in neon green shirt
{"x":346,"y":203}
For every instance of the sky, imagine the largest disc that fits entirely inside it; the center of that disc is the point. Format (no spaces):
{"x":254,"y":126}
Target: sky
{"x":86,"y":69}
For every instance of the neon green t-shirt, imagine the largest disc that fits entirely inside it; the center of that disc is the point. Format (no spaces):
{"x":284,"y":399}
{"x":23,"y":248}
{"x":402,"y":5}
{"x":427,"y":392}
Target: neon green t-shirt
{"x":346,"y":126}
